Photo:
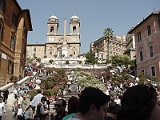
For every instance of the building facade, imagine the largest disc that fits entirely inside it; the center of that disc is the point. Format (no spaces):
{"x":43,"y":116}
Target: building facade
{"x":58,"y":45}
{"x":14,"y":26}
{"x":147,"y":37}
{"x":63,"y":45}
{"x":117,"y":46}
{"x":130,"y":46}
{"x":36,"y":50}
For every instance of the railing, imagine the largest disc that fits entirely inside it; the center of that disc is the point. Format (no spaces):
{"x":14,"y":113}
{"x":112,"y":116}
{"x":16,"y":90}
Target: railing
{"x":85,"y":66}
{"x":10,"y":86}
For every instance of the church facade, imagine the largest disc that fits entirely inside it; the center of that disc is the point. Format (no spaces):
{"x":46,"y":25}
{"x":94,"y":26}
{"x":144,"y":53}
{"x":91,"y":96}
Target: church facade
{"x":66,"y":45}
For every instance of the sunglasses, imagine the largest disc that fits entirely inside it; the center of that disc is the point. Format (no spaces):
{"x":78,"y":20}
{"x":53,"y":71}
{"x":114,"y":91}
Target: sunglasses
{"x":58,"y":105}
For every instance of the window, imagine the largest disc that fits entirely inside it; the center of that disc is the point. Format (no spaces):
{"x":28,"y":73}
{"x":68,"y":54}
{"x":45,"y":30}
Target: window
{"x":1,"y":32}
{"x":34,"y":49}
{"x":151,"y":51}
{"x":139,"y":37}
{"x":141,"y":56}
{"x":12,"y":43}
{"x":10,"y":66}
{"x":149,"y":30}
{"x":74,"y":29}
{"x":74,"y":53}
{"x":14,"y":19}
{"x":52,"y":29}
{"x":3,"y":5}
{"x":153,"y":71}
{"x":50,"y":53}
{"x":142,"y":71}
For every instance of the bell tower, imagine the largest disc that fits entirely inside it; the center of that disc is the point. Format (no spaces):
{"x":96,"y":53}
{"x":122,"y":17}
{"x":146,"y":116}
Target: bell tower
{"x":74,"y":36}
{"x":53,"y":25}
{"x":74,"y":25}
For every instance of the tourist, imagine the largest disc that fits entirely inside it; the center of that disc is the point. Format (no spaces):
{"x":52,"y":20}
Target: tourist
{"x":93,"y":104}
{"x":5,"y":95}
{"x":41,"y":110}
{"x":72,"y":107}
{"x":46,"y":117}
{"x":20,"y":98}
{"x":37,"y":99}
{"x":139,"y":103}
{"x":2,"y":107}
{"x":112,"y":111}
{"x":15,"y":108}
{"x":26,"y":107}
{"x":15,"y":93}
{"x":60,"y":110}
{"x":19,"y":111}
{"x":117,"y":100}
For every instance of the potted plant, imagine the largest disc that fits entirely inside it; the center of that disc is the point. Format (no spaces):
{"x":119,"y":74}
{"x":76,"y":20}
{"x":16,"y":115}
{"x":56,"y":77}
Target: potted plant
{"x":55,"y":55}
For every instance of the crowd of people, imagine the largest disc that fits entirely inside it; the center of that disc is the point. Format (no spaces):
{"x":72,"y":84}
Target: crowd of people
{"x":127,"y":100}
{"x":138,"y":102}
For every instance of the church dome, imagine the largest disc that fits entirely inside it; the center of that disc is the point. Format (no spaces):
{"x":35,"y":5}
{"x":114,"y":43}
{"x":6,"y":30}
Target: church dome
{"x":74,"y":17}
{"x":53,"y":17}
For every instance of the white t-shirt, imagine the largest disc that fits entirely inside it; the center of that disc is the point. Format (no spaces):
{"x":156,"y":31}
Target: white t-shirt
{"x":118,"y":101}
{"x":20,"y":112}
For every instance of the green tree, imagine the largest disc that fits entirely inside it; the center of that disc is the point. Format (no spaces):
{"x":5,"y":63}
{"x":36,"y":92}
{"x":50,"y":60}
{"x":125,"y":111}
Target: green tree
{"x":38,"y":59}
{"x":45,"y":56}
{"x":67,"y":61}
{"x":80,"y":62}
{"x":108,"y":33}
{"x":90,"y":58}
{"x":51,"y":61}
{"x":142,"y":78}
{"x":121,"y":59}
{"x":29,"y":60}
{"x":155,"y":80}
{"x":90,"y":80}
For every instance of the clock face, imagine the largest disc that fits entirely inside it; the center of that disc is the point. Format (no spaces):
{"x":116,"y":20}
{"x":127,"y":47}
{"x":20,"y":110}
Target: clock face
{"x":51,"y":39}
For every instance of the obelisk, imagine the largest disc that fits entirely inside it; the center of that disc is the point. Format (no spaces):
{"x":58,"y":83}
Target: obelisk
{"x":64,"y":47}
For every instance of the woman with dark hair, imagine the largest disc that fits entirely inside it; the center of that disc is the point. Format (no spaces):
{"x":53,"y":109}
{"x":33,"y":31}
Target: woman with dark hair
{"x":72,"y":107}
{"x":139,"y":103}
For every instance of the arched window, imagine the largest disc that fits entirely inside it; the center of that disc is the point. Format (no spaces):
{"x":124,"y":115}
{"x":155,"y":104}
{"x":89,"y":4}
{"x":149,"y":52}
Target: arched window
{"x":50,"y":53}
{"x":74,"y":29}
{"x":34,"y":49}
{"x":52,"y":29}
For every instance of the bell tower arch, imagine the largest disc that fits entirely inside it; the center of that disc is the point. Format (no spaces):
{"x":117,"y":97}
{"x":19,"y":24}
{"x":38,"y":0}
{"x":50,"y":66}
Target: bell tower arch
{"x":53,"y":25}
{"x":74,"y":25}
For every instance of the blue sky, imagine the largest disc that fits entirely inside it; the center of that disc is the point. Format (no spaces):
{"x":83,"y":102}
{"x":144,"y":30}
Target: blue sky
{"x":95,"y":16}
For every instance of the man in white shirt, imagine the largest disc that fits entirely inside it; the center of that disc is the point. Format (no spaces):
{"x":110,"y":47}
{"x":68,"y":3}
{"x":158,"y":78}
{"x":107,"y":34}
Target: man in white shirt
{"x":37,"y":99}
